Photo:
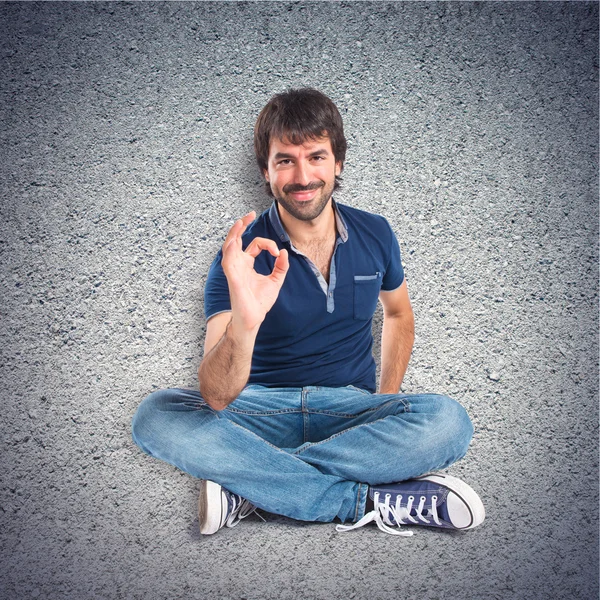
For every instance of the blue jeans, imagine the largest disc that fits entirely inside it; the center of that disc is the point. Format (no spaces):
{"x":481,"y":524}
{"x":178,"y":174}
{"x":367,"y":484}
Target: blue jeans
{"x":307,"y":453}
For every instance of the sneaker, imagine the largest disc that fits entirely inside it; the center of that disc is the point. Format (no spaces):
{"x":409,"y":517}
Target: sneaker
{"x":433,"y":500}
{"x":218,"y":507}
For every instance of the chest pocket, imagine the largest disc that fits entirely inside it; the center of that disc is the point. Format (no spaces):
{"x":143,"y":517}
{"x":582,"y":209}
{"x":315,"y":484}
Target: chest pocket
{"x":366,"y":293}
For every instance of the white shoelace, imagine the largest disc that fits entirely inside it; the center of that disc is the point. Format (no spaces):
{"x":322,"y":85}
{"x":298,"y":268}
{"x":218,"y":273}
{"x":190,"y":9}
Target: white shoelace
{"x":240,"y":512}
{"x":384,"y":510}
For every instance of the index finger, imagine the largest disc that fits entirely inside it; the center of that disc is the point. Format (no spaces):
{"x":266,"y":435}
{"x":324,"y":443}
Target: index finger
{"x":258,"y":244}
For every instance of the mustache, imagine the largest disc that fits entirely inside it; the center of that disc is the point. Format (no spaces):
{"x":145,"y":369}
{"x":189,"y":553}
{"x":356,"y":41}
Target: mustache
{"x":296,"y":187}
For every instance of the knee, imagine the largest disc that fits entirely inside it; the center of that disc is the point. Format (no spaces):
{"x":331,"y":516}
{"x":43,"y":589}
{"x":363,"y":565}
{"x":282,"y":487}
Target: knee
{"x":150,"y":416}
{"x":144,"y":415}
{"x":456,"y":423}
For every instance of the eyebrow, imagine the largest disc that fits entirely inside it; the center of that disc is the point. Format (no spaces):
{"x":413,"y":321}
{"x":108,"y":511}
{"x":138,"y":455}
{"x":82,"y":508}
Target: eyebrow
{"x":281,"y":155}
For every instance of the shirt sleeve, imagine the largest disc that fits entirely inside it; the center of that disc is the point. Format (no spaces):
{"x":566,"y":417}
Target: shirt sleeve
{"x":394,"y":273}
{"x":216,"y":290}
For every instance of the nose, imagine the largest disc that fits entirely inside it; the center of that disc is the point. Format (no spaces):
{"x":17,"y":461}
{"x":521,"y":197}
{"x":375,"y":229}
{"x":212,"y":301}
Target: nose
{"x":302,"y":175}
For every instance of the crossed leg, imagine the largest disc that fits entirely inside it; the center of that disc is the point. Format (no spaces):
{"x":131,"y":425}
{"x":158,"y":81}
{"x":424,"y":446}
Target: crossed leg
{"x":307,"y":453}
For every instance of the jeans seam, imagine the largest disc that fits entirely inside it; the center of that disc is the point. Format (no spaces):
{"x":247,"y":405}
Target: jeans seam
{"x":304,"y":401}
{"x":358,"y":499}
{"x":331,"y":413}
{"x":266,"y":413}
{"x":368,"y":410}
{"x":336,"y":435}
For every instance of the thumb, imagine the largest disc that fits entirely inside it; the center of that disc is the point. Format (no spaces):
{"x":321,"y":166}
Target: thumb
{"x":280,"y":269}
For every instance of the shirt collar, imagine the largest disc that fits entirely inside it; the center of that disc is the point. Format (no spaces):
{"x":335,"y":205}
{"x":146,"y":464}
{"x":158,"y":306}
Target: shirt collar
{"x":342,"y":229}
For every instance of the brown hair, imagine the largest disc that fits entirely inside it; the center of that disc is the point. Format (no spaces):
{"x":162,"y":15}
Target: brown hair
{"x":297,"y":116}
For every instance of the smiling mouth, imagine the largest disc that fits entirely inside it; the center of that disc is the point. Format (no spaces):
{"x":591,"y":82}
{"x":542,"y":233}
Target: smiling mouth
{"x":303,"y":193}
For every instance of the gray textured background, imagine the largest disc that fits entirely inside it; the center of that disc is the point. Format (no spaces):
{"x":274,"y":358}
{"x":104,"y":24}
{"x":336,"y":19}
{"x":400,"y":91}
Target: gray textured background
{"x":125,"y":157}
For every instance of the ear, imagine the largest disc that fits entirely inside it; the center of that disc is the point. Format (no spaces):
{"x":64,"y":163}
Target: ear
{"x":338,"y":168}
{"x":266,"y":174}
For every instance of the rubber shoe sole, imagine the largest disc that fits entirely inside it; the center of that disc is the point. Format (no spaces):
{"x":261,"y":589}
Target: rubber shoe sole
{"x":212,"y":507}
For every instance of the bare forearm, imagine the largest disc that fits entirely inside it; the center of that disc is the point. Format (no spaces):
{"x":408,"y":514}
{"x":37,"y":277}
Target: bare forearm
{"x":224,"y":371}
{"x":397,"y":338}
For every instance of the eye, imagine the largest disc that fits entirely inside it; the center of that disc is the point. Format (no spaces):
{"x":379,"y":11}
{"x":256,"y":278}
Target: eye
{"x":284,"y":161}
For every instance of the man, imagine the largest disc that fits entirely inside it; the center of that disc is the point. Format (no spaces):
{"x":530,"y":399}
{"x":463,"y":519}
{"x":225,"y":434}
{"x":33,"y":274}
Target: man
{"x":286,"y":418}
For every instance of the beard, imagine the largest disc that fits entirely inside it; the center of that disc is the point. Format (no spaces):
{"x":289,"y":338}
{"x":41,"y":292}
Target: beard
{"x":307,"y":210}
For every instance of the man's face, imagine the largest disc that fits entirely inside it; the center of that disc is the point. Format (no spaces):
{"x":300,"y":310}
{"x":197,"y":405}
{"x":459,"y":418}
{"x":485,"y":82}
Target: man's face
{"x":302,"y":177}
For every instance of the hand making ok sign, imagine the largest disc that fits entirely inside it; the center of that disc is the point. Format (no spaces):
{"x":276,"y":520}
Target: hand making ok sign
{"x":252,"y":295}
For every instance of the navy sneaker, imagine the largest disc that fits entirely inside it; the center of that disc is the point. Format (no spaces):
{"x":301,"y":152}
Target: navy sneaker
{"x":218,"y":507}
{"x":434,"y":500}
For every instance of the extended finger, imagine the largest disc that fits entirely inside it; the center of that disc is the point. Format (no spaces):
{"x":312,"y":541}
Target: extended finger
{"x":234,"y":233}
{"x":238,"y":228}
{"x":257,"y":245}
{"x":247,"y":219}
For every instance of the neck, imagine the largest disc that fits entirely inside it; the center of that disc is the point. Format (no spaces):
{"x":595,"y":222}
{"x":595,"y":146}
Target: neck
{"x":302,"y":232}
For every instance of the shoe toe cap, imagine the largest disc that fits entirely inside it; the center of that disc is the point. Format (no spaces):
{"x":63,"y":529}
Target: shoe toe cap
{"x":464,"y":513}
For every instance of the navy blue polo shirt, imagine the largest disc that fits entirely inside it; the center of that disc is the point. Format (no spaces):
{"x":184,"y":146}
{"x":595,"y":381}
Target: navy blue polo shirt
{"x":316,"y":333}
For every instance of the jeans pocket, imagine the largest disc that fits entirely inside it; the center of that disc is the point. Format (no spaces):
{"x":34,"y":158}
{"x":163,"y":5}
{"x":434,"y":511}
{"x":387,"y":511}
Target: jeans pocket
{"x":357,"y":389}
{"x":366,"y":293}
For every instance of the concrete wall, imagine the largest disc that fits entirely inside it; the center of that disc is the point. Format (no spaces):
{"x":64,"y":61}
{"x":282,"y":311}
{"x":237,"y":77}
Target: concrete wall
{"x":126,"y":155}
